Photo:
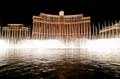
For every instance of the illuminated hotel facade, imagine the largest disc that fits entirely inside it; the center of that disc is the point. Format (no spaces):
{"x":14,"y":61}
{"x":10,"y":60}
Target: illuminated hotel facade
{"x":110,"y":31}
{"x":15,"y":31}
{"x":48,"y":26}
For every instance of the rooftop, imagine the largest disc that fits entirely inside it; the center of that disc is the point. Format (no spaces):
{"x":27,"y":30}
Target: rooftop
{"x":15,"y":24}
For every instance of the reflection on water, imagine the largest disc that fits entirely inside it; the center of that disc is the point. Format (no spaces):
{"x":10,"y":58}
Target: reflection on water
{"x":59,"y":64}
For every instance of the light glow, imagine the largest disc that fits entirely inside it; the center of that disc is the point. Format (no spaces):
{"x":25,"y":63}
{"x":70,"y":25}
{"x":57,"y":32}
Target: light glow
{"x":40,"y":44}
{"x":4,"y":44}
{"x":99,"y":44}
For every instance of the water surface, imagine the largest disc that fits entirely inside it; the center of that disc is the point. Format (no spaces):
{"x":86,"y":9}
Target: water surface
{"x":59,"y":64}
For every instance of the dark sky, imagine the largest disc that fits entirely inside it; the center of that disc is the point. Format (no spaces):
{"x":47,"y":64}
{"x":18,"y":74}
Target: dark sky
{"x":21,"y":11}
{"x":15,"y":11}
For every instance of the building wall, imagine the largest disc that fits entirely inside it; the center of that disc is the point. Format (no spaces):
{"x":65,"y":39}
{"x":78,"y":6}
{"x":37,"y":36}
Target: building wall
{"x":110,"y":31}
{"x":15,"y":31}
{"x":47,"y":26}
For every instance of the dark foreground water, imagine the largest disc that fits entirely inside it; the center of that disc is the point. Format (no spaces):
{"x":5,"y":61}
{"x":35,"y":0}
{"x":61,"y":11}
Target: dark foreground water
{"x":59,"y":64}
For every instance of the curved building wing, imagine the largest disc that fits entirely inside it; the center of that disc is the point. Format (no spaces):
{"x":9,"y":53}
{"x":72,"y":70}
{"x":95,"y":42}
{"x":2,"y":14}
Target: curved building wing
{"x":49,"y":26}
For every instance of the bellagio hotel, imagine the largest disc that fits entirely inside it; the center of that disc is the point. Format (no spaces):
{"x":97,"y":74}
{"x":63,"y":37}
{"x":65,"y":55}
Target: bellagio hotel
{"x":49,"y":26}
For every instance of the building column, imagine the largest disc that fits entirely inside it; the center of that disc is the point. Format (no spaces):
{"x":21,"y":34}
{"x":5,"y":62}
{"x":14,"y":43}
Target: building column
{"x":8,"y":34}
{"x":84,"y":30}
{"x":5,"y":33}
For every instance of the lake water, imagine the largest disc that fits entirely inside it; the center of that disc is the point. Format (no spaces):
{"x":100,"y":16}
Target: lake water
{"x":59,"y":64}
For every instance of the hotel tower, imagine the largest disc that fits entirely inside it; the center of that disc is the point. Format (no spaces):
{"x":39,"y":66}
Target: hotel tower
{"x":49,"y":26}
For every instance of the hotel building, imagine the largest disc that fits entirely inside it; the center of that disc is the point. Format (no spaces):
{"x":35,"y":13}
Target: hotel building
{"x":110,"y":31}
{"x":15,"y":31}
{"x":48,"y":26}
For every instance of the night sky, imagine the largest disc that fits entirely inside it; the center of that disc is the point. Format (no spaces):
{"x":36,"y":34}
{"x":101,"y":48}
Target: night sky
{"x":21,"y":11}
